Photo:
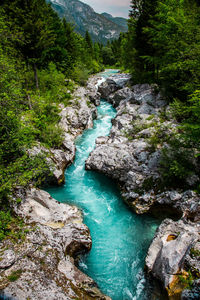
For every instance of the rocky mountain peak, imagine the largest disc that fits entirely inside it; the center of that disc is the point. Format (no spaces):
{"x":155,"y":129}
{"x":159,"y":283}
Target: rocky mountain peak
{"x":102,"y":27}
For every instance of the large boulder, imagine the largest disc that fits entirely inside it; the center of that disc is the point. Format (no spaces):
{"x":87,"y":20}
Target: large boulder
{"x":112,"y":84}
{"x":119,"y":80}
{"x":56,"y":159}
{"x":146,"y":93}
{"x":167,"y":255}
{"x":122,"y":94}
{"x":42,"y":265}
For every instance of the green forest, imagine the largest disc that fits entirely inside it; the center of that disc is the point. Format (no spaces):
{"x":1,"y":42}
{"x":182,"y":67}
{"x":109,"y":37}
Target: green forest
{"x":38,"y":53}
{"x":42,"y":59}
{"x":162,"y":46}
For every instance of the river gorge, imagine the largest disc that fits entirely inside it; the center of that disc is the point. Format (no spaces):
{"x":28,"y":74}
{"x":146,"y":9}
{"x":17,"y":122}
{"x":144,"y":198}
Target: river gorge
{"x":99,"y":230}
{"x":120,"y":238}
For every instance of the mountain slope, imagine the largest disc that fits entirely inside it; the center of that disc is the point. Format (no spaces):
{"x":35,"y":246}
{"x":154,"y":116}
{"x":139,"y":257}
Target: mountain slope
{"x":117,"y":20}
{"x":85,"y":19}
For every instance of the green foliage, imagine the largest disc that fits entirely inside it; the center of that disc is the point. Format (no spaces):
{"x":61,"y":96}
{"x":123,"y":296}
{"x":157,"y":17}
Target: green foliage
{"x":194,"y":252}
{"x":10,"y":226}
{"x":80,"y":75}
{"x":187,"y":280}
{"x":5,"y":220}
{"x":176,"y":165}
{"x":52,"y":135}
{"x":108,"y":56}
{"x":14,"y":275}
{"x":21,"y":172}
{"x":53,"y":85}
{"x":162,"y":45}
{"x":191,"y":123}
{"x":182,"y":157}
{"x":38,"y":51}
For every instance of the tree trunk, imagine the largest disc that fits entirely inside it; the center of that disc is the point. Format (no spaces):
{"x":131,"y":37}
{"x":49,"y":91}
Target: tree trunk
{"x":36,"y":76}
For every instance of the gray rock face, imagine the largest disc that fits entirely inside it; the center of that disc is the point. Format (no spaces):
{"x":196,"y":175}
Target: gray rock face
{"x":57,"y":159}
{"x":38,"y":206}
{"x":169,"y":253}
{"x":74,"y":120}
{"x":7,"y":259}
{"x":120,"y":80}
{"x":43,"y":263}
{"x":112,"y":84}
{"x":127,"y":154}
{"x":171,"y":244}
{"x":122,"y":94}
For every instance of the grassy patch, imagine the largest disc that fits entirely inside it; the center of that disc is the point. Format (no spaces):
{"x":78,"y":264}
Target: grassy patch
{"x":14,"y":275}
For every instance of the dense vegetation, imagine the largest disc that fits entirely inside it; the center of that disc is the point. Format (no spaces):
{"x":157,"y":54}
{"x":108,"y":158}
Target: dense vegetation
{"x":41,"y":59}
{"x":39,"y":51}
{"x":163,"y":46}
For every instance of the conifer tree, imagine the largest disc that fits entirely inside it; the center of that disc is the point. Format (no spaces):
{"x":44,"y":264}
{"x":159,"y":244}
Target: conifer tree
{"x":89,"y":43}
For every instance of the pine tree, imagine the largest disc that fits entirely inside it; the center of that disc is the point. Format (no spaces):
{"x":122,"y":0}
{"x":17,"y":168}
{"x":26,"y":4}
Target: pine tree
{"x":89,"y":43}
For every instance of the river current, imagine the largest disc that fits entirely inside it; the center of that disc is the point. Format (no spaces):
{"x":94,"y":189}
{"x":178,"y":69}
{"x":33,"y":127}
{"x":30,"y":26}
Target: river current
{"x":120,"y":237}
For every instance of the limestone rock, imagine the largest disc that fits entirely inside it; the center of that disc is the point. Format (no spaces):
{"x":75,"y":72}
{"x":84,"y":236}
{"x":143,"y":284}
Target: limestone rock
{"x":167,"y":254}
{"x":57,"y":160}
{"x":40,"y":207}
{"x":42,"y":265}
{"x":106,"y":89}
{"x":126,"y":154}
{"x":119,"y":80}
{"x":122,"y":94}
{"x":112,"y":84}
{"x":7,"y":259}
{"x":74,"y":119}
{"x":146,"y":94}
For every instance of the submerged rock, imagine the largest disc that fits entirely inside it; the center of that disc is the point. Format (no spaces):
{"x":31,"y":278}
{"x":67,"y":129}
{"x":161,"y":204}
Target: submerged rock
{"x":42,"y":265}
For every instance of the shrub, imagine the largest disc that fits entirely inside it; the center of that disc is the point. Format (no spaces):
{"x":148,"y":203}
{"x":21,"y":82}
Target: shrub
{"x":80,"y":75}
{"x":5,"y":220}
{"x":176,"y":165}
{"x":53,"y":136}
{"x":14,"y":275}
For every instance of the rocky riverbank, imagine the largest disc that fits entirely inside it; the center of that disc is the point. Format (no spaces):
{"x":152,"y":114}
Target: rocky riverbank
{"x":41,"y":265}
{"x":131,"y":156}
{"x":75,"y":118}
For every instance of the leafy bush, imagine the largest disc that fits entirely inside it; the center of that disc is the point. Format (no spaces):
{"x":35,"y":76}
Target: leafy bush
{"x":80,"y":75}
{"x":176,"y":165}
{"x":5,"y":220}
{"x":187,"y":279}
{"x":11,"y":226}
{"x":53,"y":85}
{"x":52,"y":135}
{"x":23,"y":171}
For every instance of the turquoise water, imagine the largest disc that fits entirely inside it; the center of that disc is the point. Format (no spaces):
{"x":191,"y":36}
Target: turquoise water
{"x":120,"y":237}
